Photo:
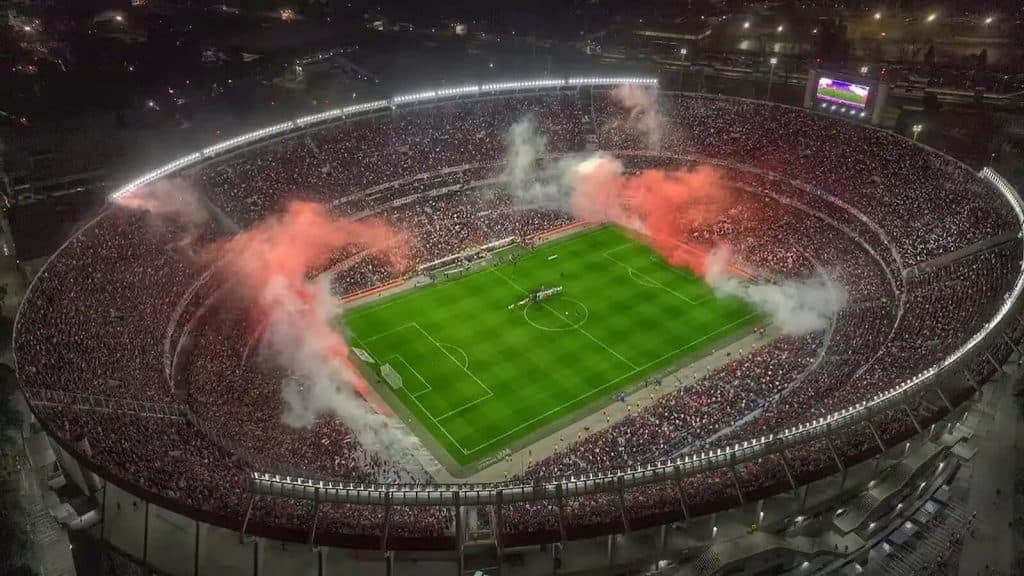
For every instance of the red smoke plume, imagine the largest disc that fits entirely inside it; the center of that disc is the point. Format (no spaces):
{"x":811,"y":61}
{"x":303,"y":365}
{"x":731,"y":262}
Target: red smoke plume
{"x":302,"y":238}
{"x":663,"y":206}
{"x":268,"y":264}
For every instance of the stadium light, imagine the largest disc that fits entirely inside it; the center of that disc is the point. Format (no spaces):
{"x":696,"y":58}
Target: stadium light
{"x":863,"y":69}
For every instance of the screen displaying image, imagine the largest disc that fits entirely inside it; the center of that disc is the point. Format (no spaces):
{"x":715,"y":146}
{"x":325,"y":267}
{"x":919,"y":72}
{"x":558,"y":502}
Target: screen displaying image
{"x":839,"y":92}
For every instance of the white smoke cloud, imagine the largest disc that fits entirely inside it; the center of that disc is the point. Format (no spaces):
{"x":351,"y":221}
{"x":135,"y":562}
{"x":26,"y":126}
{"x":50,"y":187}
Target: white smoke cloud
{"x":532,"y":180}
{"x":173,"y":200}
{"x":173,"y":203}
{"x":535,"y":181}
{"x":320,"y":381}
{"x":590,"y":187}
{"x":266,"y":266}
{"x":644,"y":114}
{"x":795,"y":306}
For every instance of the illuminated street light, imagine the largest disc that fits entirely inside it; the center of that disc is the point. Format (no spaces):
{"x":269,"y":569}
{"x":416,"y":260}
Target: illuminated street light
{"x":682,"y":62}
{"x":917,"y":130}
{"x":989,"y":20}
{"x":771,"y":74}
{"x":864,"y":70}
{"x":746,"y":25}
{"x":878,"y":15}
{"x":815,"y":31}
{"x":119,"y":18}
{"x":779,"y":29}
{"x":931,"y":17}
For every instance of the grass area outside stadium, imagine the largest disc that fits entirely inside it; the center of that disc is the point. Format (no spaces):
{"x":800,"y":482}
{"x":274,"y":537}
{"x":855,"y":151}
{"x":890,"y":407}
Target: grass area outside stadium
{"x":480,"y":373}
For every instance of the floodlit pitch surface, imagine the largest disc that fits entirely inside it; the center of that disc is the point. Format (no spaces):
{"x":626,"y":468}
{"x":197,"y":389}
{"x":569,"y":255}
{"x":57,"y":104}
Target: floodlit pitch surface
{"x":479,"y":376}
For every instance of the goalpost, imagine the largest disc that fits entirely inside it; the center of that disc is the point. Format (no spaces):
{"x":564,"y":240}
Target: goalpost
{"x":391,"y":376}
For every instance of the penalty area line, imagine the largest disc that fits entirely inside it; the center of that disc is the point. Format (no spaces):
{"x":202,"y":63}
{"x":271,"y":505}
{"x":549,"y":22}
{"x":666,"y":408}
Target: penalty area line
{"x":413,"y":397}
{"x":448,"y":354}
{"x":616,"y":380}
{"x":413,"y":370}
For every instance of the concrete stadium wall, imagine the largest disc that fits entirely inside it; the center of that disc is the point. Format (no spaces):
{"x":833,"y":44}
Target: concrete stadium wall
{"x":175,"y":545}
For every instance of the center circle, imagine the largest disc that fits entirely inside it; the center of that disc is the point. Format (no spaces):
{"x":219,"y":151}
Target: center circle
{"x":556,"y":314}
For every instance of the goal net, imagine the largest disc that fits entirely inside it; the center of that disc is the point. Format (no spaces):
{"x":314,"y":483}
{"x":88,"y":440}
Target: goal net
{"x":391,"y":376}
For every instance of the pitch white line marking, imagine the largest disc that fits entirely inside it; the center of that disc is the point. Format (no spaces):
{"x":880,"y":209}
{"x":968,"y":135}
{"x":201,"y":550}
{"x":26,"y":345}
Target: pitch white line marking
{"x":413,"y":396}
{"x":436,"y":423}
{"x":569,"y":326}
{"x":383,"y":334}
{"x":628,"y":374}
{"x":633,"y":273}
{"x":464,"y":369}
{"x":413,"y":370}
{"x":464,"y":406}
{"x":578,"y":328}
{"x":465,"y":357}
{"x":446,"y":353}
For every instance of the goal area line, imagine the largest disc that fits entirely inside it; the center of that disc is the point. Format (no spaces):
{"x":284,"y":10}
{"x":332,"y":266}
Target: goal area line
{"x":437,"y":419}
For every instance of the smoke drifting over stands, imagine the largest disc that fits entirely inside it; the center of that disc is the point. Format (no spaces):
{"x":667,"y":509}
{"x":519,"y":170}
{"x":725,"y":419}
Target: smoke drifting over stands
{"x":99,"y":316}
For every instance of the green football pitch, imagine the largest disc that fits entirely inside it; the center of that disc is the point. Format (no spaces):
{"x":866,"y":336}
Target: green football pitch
{"x":480,"y":376}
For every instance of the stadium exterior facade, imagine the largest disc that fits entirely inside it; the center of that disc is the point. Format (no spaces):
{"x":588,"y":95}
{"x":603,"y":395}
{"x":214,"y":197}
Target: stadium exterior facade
{"x":173,"y":539}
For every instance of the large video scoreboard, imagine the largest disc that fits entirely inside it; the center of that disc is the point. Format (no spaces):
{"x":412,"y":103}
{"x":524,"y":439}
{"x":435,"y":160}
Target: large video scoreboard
{"x":844,"y":93}
{"x":849,"y":95}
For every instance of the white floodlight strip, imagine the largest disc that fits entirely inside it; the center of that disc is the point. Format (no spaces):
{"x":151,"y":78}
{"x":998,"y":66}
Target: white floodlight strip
{"x":313,"y":119}
{"x":366,"y":107}
{"x":458,"y":91}
{"x":357,"y":108}
{"x":159,"y":173}
{"x":428,"y":95}
{"x":1013,"y":198}
{"x":239,"y":140}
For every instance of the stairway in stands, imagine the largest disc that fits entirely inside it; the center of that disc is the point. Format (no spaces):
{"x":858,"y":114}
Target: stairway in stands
{"x":586,"y":96}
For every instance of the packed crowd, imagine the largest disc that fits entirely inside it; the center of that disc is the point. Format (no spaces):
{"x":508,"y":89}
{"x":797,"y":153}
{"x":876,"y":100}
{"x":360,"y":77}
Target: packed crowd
{"x":342,"y":160}
{"x":929,"y":204}
{"x":99,"y":318}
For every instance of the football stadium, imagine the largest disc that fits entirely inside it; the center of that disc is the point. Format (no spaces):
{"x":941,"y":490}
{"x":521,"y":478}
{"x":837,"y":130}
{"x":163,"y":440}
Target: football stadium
{"x":573,"y":325}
